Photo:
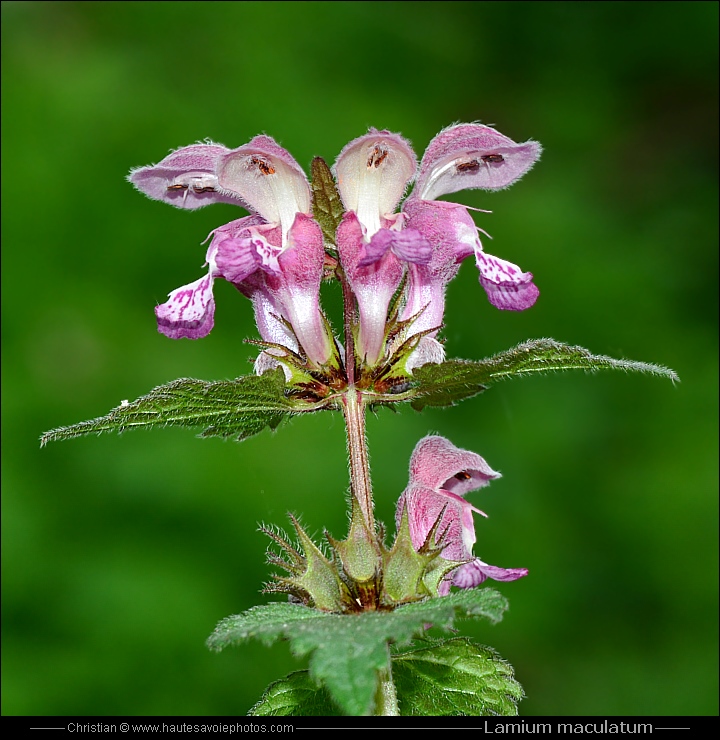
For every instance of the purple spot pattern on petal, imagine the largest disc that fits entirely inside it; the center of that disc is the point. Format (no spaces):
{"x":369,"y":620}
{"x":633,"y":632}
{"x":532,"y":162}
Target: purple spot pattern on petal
{"x":189,"y":311}
{"x":511,"y":296}
{"x":507,"y":286}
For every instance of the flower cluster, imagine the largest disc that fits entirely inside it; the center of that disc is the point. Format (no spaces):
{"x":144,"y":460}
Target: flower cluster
{"x":440,"y":476}
{"x":276,"y":255}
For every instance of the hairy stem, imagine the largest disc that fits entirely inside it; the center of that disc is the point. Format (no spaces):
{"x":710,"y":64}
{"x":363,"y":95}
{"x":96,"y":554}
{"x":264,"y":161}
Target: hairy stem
{"x":354,"y":411}
{"x":386,"y":703}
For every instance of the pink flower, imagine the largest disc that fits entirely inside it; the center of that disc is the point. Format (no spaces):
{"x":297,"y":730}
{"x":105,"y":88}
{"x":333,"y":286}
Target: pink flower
{"x":464,"y":156}
{"x":440,"y":476}
{"x":372,"y":173}
{"x":428,"y":238}
{"x":274,"y":256}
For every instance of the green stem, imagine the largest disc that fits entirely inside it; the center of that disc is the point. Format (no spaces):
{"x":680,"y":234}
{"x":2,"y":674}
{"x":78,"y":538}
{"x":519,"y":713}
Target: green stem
{"x":354,"y":412}
{"x":386,"y":703}
{"x":360,"y":486}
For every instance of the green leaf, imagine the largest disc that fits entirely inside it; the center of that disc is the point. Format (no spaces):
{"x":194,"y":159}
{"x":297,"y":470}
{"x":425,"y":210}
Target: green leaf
{"x":444,"y":678}
{"x":447,"y":383}
{"x":455,"y":678}
{"x":233,"y":408}
{"x":296,"y":695}
{"x":327,"y":206}
{"x":347,"y":651}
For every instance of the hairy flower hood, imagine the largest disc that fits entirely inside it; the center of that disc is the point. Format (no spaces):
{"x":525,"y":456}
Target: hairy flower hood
{"x":468,"y":156}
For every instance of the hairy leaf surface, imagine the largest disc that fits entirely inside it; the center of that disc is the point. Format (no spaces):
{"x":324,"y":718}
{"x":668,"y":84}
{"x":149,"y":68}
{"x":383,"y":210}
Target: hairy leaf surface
{"x":446,"y":383}
{"x":455,"y":677}
{"x":443,"y":678}
{"x":347,"y":651}
{"x":232,"y":408}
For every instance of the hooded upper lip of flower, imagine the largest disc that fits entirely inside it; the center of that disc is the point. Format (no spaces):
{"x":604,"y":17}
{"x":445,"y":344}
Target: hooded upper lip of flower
{"x":470,"y":155}
{"x":372,"y":173}
{"x":440,"y":476}
{"x":265,"y":179}
{"x":201,"y":174}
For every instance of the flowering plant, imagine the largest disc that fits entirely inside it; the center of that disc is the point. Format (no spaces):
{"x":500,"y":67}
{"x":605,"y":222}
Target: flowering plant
{"x":360,"y":607}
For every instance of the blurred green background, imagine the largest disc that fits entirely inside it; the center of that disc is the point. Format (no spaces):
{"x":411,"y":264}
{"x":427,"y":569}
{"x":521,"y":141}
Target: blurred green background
{"x":120,"y":554}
